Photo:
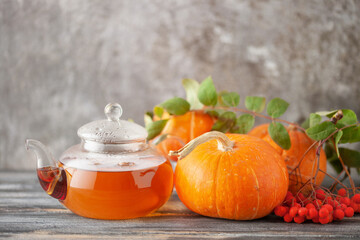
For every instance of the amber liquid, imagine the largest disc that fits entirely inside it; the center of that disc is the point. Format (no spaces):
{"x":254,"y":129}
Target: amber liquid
{"x":53,"y":181}
{"x":118,"y":195}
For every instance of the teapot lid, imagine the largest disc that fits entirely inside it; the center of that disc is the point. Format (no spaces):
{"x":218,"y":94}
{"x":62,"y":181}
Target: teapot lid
{"x":112,"y":130}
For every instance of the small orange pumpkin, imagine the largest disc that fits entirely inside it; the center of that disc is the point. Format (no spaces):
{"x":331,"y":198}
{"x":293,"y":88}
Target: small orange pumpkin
{"x":235,"y":176}
{"x":183,"y":128}
{"x":300,"y":142}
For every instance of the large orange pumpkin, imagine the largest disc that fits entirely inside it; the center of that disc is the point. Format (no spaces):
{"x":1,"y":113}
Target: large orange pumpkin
{"x":243,"y":180}
{"x":300,"y":142}
{"x":181,"y":129}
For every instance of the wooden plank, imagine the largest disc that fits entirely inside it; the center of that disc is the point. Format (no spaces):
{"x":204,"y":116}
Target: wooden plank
{"x":27,"y":212}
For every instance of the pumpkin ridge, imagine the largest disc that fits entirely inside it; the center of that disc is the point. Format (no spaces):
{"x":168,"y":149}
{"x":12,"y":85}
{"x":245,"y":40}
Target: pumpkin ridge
{"x":215,"y":182}
{"x":313,"y":151}
{"x":294,"y":137}
{"x":230,"y":159}
{"x":284,"y":172}
{"x":275,"y":195}
{"x":206,"y":152}
{"x":258,"y":192}
{"x":274,"y":200}
{"x":300,"y":144}
{"x":306,"y":176}
{"x":238,"y":157}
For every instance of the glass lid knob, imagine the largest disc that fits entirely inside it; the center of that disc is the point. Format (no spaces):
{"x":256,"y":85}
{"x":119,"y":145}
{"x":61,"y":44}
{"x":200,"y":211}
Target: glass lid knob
{"x":113,"y":111}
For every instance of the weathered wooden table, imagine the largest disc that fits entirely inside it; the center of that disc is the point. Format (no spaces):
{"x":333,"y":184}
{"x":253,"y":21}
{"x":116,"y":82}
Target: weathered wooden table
{"x":26,"y":212}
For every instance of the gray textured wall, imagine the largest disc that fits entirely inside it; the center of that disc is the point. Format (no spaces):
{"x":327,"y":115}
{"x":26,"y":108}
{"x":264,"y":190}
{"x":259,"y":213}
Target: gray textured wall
{"x":62,"y":61}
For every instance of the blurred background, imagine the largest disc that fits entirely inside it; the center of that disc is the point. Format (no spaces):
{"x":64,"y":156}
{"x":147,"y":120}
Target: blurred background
{"x":61,"y":61}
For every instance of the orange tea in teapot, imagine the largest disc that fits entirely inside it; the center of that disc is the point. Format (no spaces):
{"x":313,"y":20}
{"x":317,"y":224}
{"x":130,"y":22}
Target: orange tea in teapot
{"x":128,"y":190}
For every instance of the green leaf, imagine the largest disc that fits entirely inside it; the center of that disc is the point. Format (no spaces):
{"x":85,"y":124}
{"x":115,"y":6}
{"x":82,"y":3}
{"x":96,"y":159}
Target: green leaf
{"x":231,"y":99}
{"x":350,"y":157}
{"x":327,"y":113}
{"x":191,"y":88}
{"x":332,"y":157}
{"x":330,"y":114}
{"x":351,"y":135}
{"x":306,"y":123}
{"x":243,"y":124}
{"x":225,"y":122}
{"x":338,"y":136}
{"x":158,"y":111}
{"x":279,"y":134}
{"x":176,"y":106}
{"x":220,"y":102}
{"x":212,"y":113}
{"x":321,"y":131}
{"x":207,"y":92}
{"x":349,"y":117}
{"x":330,"y":151}
{"x":150,"y":114}
{"x":215,"y":112}
{"x":314,"y":119}
{"x":311,"y":121}
{"x":155,"y":128}
{"x":256,"y":104}
{"x":277,"y":107}
{"x":148,"y":118}
{"x":336,"y":164}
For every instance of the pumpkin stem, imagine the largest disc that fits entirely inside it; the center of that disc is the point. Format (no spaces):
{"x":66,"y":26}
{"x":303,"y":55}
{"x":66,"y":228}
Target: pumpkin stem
{"x":225,"y":144}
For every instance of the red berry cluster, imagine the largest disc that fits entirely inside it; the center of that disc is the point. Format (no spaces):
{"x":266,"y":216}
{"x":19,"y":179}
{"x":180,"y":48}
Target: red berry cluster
{"x":320,"y":207}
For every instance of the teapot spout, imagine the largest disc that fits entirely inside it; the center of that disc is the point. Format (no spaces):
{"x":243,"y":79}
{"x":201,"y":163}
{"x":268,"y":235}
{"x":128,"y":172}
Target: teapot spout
{"x":43,"y":155}
{"x":51,"y":177}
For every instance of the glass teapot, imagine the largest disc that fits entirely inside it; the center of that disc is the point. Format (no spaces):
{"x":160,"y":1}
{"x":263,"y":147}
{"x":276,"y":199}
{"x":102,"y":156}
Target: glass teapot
{"x":112,"y":174}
